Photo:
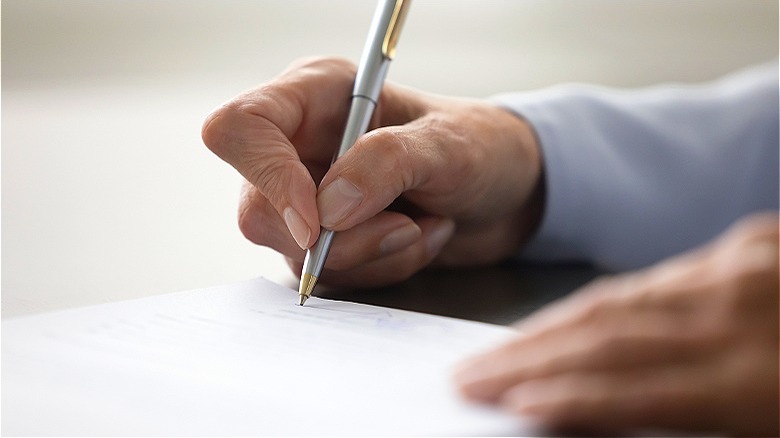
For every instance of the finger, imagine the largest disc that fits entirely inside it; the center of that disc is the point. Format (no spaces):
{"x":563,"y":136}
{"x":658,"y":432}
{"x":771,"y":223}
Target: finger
{"x":753,"y":227}
{"x":306,"y":106}
{"x":398,"y":266}
{"x":439,"y":158}
{"x":268,"y":134}
{"x":381,"y":166}
{"x":261,"y":224}
{"x":378,"y":169}
{"x":749,"y":248}
{"x":254,"y":133}
{"x":617,"y":340}
{"x":380,"y":236}
{"x":261,"y":152}
{"x":639,"y":291}
{"x":659,"y":397}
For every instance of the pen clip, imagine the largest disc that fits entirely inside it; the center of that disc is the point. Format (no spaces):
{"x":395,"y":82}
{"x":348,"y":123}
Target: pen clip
{"x":394,"y":28}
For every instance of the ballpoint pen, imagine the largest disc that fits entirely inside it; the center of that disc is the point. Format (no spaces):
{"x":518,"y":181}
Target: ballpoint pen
{"x":372,"y":70}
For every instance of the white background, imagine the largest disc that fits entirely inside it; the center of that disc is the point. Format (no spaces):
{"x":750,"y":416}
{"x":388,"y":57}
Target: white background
{"x":107,"y":190}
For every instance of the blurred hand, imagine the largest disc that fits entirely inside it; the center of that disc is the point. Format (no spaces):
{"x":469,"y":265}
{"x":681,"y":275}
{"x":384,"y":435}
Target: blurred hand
{"x":451,"y":180}
{"x":691,"y":344}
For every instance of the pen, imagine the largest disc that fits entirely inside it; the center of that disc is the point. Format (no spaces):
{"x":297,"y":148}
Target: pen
{"x":372,"y":70}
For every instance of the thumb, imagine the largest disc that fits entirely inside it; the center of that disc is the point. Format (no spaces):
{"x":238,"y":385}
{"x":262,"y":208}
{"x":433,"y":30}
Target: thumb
{"x":380,"y":166}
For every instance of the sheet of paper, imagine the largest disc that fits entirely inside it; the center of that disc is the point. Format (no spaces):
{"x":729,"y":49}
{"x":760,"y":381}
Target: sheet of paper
{"x":242,"y":359}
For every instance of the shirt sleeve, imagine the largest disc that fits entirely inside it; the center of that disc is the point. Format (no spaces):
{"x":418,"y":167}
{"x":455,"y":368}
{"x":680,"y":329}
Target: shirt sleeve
{"x":633,"y":177}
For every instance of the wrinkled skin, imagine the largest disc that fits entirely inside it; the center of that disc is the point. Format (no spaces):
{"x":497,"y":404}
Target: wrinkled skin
{"x":436,"y":180}
{"x":689,"y":344}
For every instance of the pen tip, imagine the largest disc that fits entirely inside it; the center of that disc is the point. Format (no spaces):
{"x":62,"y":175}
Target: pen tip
{"x":307,"y":285}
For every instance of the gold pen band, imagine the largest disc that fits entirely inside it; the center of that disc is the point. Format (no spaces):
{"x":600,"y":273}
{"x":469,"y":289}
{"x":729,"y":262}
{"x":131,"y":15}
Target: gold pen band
{"x":307,"y":286}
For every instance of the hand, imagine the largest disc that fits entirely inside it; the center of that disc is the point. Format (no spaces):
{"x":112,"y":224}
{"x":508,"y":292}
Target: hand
{"x":689,"y":344}
{"x":468,"y":175}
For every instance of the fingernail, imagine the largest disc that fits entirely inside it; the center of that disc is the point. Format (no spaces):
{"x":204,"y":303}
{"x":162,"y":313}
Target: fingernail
{"x":337,"y":200}
{"x":297,"y":226}
{"x":439,"y":237}
{"x":399,"y":238}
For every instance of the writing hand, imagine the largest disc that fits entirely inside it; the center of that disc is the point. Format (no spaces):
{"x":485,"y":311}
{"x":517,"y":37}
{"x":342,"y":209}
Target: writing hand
{"x":691,"y":343}
{"x":452,"y":180}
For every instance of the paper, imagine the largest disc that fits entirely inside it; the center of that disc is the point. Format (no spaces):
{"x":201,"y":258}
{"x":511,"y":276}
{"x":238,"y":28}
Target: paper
{"x":243,"y":359}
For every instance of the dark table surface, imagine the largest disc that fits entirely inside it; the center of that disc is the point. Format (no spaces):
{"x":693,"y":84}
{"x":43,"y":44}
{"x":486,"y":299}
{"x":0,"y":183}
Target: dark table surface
{"x":498,"y":294}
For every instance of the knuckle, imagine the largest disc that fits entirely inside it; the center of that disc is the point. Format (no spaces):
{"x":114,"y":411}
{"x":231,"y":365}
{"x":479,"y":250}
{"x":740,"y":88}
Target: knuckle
{"x":748,"y":290}
{"x":391,"y":155}
{"x":757,"y":226}
{"x":259,"y":222}
{"x":385,"y":142}
{"x":593,"y":312}
{"x":599,"y":284}
{"x":215,"y":129}
{"x":224,"y":130}
{"x":462,"y":162}
{"x":247,"y":221}
{"x":454,"y":145}
{"x":251,"y":224}
{"x":597,"y":298}
{"x":258,"y":225}
{"x":271,"y":177}
{"x":327,"y":62}
{"x":749,"y":273}
{"x":324,"y":66}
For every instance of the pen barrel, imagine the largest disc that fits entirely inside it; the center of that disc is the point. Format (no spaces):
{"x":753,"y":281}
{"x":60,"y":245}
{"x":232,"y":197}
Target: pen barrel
{"x":360,"y":113}
{"x":372,"y":71}
{"x":316,"y":255}
{"x":373,"y":63}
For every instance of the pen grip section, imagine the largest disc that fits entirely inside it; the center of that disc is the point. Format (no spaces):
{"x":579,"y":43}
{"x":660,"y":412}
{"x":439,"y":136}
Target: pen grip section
{"x":316,"y":255}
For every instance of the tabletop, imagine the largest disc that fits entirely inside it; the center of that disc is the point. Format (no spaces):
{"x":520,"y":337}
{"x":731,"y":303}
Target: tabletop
{"x":500,"y":294}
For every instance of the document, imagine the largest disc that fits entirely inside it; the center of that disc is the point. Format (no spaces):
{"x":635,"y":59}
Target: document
{"x":242,"y":359}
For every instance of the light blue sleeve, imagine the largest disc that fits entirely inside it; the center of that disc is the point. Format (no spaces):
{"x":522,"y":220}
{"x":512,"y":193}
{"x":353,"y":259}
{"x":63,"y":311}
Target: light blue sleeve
{"x":633,"y":177}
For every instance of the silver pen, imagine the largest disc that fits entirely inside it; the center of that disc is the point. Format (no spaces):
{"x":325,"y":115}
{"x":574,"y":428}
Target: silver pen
{"x":377,"y":54}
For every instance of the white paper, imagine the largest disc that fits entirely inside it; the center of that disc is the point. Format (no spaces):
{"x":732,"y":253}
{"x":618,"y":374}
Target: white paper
{"x":243,"y":359}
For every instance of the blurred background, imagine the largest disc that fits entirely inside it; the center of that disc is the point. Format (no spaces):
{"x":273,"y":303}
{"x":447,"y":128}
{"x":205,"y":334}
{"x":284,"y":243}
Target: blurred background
{"x":107,"y":190}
